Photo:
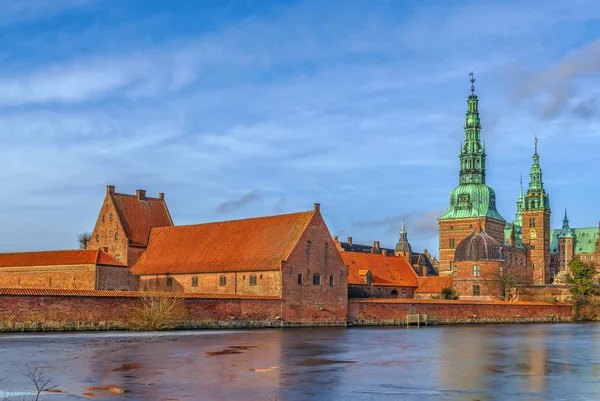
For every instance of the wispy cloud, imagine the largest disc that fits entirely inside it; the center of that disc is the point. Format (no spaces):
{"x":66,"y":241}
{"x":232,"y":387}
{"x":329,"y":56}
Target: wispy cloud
{"x":232,"y":205}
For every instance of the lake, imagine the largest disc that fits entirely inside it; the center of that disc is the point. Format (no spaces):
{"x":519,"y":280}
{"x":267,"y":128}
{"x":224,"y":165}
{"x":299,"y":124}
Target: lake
{"x":486,"y":362}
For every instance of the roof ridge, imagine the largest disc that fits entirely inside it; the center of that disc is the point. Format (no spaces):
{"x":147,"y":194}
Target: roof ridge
{"x":49,"y":250}
{"x":233,"y":220}
{"x":135,"y":196}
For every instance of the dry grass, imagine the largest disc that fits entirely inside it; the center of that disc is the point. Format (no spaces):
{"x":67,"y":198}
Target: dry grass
{"x":158,"y":313}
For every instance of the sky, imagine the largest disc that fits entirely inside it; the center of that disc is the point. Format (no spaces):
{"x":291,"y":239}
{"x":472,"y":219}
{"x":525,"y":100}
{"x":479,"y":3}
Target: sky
{"x":239,"y":109}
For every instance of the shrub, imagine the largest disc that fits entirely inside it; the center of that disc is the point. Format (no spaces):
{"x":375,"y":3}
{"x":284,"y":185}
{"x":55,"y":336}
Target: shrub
{"x":158,"y":312}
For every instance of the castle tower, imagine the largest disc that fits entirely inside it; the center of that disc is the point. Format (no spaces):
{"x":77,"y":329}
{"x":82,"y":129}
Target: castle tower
{"x":565,"y":246}
{"x":472,"y":198}
{"x":536,"y":224}
{"x":403,"y":246}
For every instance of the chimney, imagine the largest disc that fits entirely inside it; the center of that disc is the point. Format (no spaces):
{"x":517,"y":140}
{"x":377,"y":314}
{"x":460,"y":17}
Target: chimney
{"x":384,"y":252}
{"x":317,"y":207}
{"x":141,"y":194}
{"x":376,"y":245}
{"x":335,"y":238}
{"x":161,"y":195}
{"x":424,"y":270}
{"x":349,"y":240}
{"x":110,"y":189}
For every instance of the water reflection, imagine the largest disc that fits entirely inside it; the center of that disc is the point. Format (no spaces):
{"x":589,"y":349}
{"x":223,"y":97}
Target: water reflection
{"x":529,"y":362}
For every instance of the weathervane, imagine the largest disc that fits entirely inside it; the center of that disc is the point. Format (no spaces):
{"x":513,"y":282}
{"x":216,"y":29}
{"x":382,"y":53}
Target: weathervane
{"x":535,"y":142}
{"x":472,"y":83}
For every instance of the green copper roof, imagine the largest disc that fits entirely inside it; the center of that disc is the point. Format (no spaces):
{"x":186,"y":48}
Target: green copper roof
{"x":472,"y":198}
{"x":536,"y":198}
{"x":518,"y":234}
{"x":472,"y":201}
{"x":584,"y":239}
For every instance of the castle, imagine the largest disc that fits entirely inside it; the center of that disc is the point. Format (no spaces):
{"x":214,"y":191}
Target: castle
{"x":475,"y":240}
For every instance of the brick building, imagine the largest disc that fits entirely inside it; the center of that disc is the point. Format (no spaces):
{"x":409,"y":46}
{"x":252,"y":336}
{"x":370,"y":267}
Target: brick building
{"x":124,"y":222}
{"x":528,"y":242}
{"x":421,"y":262}
{"x":379,"y":275}
{"x":291,"y":256}
{"x":67,"y":270}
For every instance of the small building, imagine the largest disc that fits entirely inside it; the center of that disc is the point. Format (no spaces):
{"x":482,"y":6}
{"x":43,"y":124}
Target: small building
{"x":291,"y":256}
{"x":379,"y":275}
{"x":124,"y":222}
{"x":66,"y":270}
{"x":431,"y":287}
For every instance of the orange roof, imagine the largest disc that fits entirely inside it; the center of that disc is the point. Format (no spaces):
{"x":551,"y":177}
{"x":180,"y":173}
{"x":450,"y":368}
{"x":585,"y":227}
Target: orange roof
{"x":138,"y":217}
{"x":385,"y":270}
{"x":237,"y":245}
{"x":58,"y":258}
{"x":433,"y":285}
{"x":120,"y":294}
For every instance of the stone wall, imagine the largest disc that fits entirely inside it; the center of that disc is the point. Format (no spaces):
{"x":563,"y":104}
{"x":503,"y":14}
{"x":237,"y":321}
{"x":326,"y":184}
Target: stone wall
{"x":382,"y":312}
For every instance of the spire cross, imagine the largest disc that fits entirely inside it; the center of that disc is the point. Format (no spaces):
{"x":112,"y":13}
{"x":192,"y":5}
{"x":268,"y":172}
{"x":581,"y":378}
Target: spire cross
{"x":472,"y":82}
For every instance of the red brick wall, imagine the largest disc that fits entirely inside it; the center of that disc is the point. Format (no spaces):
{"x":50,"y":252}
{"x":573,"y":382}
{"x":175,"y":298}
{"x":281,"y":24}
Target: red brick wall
{"x":268,"y":283}
{"x":538,"y":258}
{"x":315,"y":253}
{"x":117,"y":278}
{"x":120,"y":309}
{"x":105,"y":230}
{"x":78,"y":277}
{"x":375,"y":311}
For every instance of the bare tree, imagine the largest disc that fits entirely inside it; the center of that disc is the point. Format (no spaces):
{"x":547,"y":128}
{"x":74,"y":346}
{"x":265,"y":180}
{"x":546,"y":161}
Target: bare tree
{"x":40,"y":380}
{"x":504,"y":282}
{"x":83,"y":239}
{"x":158,"y":312}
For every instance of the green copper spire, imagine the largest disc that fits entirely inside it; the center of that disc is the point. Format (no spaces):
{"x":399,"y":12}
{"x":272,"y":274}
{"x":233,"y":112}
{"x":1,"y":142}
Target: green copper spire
{"x":472,"y":198}
{"x":566,"y":230}
{"x":520,"y":205}
{"x":472,"y":154}
{"x":537,"y":198}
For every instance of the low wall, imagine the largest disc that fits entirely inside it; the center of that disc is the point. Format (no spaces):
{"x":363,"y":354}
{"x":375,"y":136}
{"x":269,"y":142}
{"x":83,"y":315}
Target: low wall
{"x":24,"y":310}
{"x":39,"y":310}
{"x":366,"y":312}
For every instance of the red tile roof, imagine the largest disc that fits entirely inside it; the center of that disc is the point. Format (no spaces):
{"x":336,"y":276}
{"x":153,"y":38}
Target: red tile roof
{"x":385,"y":270}
{"x":120,"y":294}
{"x":238,"y":245}
{"x":138,"y":217}
{"x":433,"y":285}
{"x":58,"y":258}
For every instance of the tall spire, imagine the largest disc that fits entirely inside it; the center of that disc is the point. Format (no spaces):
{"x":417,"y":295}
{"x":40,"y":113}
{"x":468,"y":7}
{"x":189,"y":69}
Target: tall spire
{"x":520,"y":205}
{"x":536,"y":198}
{"x":566,"y":221}
{"x":472,"y":154}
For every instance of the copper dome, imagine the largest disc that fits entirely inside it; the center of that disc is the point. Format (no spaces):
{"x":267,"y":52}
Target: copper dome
{"x":478,"y":246}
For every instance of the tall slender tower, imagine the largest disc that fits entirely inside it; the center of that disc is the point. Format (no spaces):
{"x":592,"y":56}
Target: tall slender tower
{"x":472,"y":198}
{"x":536,"y":224}
{"x":565,"y":246}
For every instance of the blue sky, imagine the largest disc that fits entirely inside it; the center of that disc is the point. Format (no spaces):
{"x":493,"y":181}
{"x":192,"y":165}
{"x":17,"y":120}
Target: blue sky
{"x":245,"y":108}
